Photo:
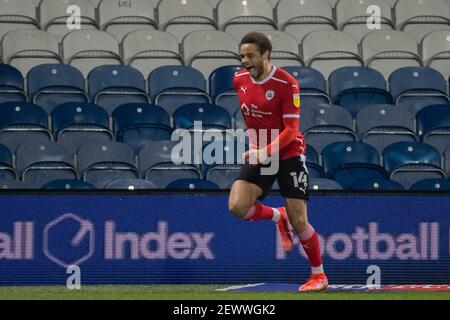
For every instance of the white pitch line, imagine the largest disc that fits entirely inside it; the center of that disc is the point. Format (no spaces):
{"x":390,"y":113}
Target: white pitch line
{"x":240,"y":287}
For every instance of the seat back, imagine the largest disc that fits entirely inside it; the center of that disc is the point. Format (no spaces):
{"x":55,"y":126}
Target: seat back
{"x":50,"y":85}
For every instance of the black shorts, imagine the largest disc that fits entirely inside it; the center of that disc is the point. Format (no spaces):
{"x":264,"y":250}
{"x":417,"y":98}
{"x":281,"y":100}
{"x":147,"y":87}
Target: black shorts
{"x":292,"y":177}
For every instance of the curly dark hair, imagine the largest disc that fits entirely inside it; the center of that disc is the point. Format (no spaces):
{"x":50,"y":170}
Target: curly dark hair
{"x":260,"y":39}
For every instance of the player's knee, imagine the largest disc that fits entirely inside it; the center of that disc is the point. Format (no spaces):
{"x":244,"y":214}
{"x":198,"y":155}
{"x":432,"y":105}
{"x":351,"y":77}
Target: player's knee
{"x":300,"y":221}
{"x":237,"y":208}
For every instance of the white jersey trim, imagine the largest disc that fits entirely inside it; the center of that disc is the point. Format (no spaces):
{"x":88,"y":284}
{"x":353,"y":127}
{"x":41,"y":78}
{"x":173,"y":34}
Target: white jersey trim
{"x":242,"y":74}
{"x":291,"y":116}
{"x":279,"y":80}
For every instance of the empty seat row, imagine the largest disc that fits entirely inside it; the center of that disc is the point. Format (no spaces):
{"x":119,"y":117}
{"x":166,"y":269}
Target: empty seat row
{"x":234,"y":16}
{"x":377,"y":125}
{"x":403,"y":162}
{"x":206,"y":50}
{"x":353,"y":88}
{"x":165,"y":161}
{"x":183,"y":185}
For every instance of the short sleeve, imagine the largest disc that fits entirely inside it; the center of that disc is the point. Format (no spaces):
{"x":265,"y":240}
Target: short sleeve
{"x":291,"y":101}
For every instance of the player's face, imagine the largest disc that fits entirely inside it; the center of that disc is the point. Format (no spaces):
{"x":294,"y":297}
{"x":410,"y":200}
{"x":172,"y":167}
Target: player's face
{"x":252,"y":60}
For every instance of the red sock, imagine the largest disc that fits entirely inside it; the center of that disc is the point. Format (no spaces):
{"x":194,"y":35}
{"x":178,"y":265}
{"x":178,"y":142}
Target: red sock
{"x":310,"y":242}
{"x":259,"y":212}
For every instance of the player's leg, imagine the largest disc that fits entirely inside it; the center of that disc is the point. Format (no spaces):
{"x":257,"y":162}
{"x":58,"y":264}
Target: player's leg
{"x":309,"y":239}
{"x":242,"y":197}
{"x":246,"y":190}
{"x":293,"y":180}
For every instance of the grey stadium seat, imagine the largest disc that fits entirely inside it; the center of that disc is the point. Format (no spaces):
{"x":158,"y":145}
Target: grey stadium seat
{"x":39,"y":163}
{"x":156,"y":163}
{"x":239,"y":17}
{"x":207,"y":50}
{"x":285,"y":50}
{"x":333,"y":2}
{"x":302,"y":17}
{"x":391,"y":2}
{"x":54,"y":16}
{"x":17,"y":14}
{"x":327,"y":50}
{"x":87,"y":49}
{"x":388,"y":50}
{"x":353,"y":16}
{"x":101,"y":163}
{"x":382,"y":125}
{"x":420,"y":17}
{"x":323,"y":124}
{"x":25,"y":49}
{"x":180,"y":17}
{"x":436,"y":51}
{"x":121,"y":17}
{"x":147,"y":50}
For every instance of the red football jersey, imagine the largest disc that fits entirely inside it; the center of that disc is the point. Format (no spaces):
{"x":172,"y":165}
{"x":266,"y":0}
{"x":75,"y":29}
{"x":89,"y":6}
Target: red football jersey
{"x":264,"y":105}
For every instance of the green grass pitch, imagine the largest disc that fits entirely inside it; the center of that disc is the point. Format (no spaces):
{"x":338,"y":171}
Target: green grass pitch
{"x":195,"y":292}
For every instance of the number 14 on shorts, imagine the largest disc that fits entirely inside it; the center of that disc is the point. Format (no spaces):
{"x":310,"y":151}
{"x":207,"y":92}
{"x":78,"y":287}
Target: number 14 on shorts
{"x":300,"y":180}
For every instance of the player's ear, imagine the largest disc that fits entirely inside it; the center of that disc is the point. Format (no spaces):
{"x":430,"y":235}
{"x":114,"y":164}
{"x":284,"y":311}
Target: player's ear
{"x":266,"y":55}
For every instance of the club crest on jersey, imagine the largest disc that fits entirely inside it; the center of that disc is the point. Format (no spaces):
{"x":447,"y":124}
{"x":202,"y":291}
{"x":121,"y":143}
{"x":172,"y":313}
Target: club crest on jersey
{"x":270,"y":94}
{"x":296,"y":98}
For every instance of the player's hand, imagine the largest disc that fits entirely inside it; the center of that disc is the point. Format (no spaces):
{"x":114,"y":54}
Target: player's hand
{"x":256,"y":157}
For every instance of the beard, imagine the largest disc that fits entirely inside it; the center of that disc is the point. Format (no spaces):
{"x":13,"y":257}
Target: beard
{"x":255,"y":72}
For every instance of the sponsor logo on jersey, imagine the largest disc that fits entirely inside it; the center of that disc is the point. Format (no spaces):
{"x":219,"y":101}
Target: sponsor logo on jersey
{"x":296,"y":99}
{"x":270,"y":94}
{"x":245,"y":109}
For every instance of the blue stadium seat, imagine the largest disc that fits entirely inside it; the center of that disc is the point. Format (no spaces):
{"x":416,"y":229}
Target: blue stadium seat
{"x":173,"y":86}
{"x":6,"y":164}
{"x":50,"y":85}
{"x":67,"y":184}
{"x":130,"y":184}
{"x":222,"y":160}
{"x":431,"y":185}
{"x":192,"y":184}
{"x":158,"y":164}
{"x":11,"y":84}
{"x":75,"y":124}
{"x":112,"y":85}
{"x":223,"y":152}
{"x":375,"y":184}
{"x":221,"y":88}
{"x":384,"y":124}
{"x":408,"y":162}
{"x":102,"y":163}
{"x":239,"y":122}
{"x":13,"y":184}
{"x":356,"y":87}
{"x":433,"y":126}
{"x":136,"y":124}
{"x":22,"y":122}
{"x":347,"y":162}
{"x":323,"y":124}
{"x":418,"y":86}
{"x":223,"y":177}
{"x":211,"y":116}
{"x":41,"y":162}
{"x":323,"y":184}
{"x":313,"y":86}
{"x":313,"y":163}
{"x":447,"y":161}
